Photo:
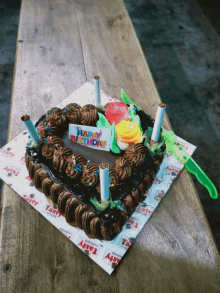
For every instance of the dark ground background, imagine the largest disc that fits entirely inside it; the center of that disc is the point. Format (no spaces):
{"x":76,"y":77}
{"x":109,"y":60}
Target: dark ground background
{"x":181,"y":43}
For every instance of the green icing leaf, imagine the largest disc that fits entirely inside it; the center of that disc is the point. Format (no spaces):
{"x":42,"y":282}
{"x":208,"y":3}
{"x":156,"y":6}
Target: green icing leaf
{"x":137,"y":120}
{"x":114,"y":203}
{"x":127,"y":100}
{"x":146,"y":141}
{"x":149,"y":132}
{"x":132,"y":112}
{"x":101,"y":206}
{"x":103,"y":122}
{"x":155,"y":148}
{"x":113,"y":142}
{"x":171,"y":141}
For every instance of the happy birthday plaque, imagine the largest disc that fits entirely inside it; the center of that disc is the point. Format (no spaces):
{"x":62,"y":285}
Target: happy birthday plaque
{"x":93,"y":137}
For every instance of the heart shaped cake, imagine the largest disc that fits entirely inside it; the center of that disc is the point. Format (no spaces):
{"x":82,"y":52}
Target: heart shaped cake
{"x":69,"y":174}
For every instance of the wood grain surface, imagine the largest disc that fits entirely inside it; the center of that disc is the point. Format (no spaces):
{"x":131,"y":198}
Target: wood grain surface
{"x":61,"y":45}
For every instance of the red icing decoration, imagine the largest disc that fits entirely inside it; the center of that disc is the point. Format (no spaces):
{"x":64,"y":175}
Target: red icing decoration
{"x":117,"y":112}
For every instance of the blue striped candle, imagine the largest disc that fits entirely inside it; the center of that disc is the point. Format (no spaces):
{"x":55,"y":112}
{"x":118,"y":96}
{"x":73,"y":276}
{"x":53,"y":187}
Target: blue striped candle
{"x":104,"y":181}
{"x":97,"y":88}
{"x":158,"y":122}
{"x":31,"y":128}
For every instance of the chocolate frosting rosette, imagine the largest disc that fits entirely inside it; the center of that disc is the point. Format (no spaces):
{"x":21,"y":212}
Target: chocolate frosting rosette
{"x":86,"y":219}
{"x":136,"y":153}
{"x":60,"y":158}
{"x":129,"y":204}
{"x":51,"y":143}
{"x":142,"y":188}
{"x":89,"y":115}
{"x":149,"y":178}
{"x":48,"y":151}
{"x":113,"y":179}
{"x":156,"y":165}
{"x":28,"y":159}
{"x":57,"y":117}
{"x":41,"y":128}
{"x":75,"y":163}
{"x":33,"y":167}
{"x":95,"y":228}
{"x":71,"y":205}
{"x":62,"y":199}
{"x":39,"y":177}
{"x":79,"y":211}
{"x":90,"y":174}
{"x":47,"y":128}
{"x":123,"y":168}
{"x":46,"y":186}
{"x":73,"y":113}
{"x":135,"y":194}
{"x":55,"y":191}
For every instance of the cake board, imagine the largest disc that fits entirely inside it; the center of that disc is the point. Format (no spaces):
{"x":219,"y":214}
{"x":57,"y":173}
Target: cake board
{"x":106,"y":254}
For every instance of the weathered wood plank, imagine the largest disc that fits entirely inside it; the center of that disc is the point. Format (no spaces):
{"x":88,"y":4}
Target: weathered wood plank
{"x":64,"y":44}
{"x":116,"y":54}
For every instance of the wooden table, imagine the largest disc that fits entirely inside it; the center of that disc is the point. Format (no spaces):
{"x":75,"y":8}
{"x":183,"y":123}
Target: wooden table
{"x":61,"y":45}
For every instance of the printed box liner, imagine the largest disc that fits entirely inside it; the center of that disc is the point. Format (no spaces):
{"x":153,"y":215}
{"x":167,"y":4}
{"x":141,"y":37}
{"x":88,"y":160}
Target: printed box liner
{"x":106,"y":254}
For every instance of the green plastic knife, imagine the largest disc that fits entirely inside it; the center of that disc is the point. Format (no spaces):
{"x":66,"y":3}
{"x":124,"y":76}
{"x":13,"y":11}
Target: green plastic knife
{"x":180,"y":154}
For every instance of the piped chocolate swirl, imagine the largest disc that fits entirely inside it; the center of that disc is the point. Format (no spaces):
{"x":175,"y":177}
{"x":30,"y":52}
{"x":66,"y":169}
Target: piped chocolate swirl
{"x":71,"y":206}
{"x":90,"y":174}
{"x":33,"y":167}
{"x":62,"y":200}
{"x":28,"y":159}
{"x":124,"y":168}
{"x":86,"y":219}
{"x":46,"y":186}
{"x":51,"y":143}
{"x":57,"y":117}
{"x":73,"y":113}
{"x":47,"y":129}
{"x":55,"y":191}
{"x":89,"y":115}
{"x":75,"y":163}
{"x":60,"y":158}
{"x":39,"y":176}
{"x":136,"y":153}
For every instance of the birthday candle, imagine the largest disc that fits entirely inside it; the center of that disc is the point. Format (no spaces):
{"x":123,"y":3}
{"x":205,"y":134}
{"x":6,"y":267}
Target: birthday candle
{"x":31,"y":128}
{"x":97,"y":87}
{"x":158,"y":122}
{"x":104,"y":181}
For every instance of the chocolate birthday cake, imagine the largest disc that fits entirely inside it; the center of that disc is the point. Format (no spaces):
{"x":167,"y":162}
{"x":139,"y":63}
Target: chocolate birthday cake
{"x":68,"y":172}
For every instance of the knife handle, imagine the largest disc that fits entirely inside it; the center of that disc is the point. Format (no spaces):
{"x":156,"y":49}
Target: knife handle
{"x":192,"y":167}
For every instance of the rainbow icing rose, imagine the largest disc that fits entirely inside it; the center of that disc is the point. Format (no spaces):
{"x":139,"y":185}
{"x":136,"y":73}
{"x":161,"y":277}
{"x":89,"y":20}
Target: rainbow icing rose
{"x":127,"y":133}
{"x":117,"y":112}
